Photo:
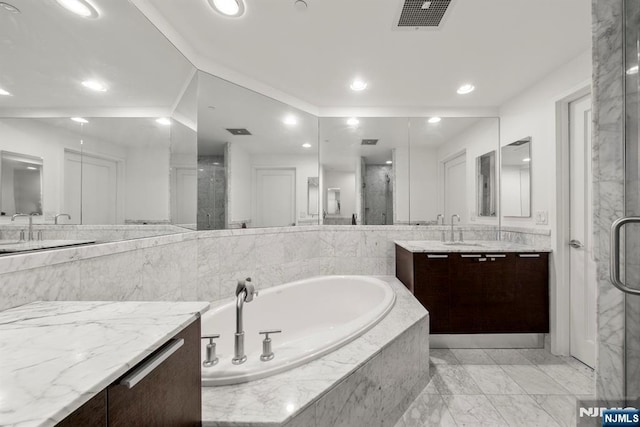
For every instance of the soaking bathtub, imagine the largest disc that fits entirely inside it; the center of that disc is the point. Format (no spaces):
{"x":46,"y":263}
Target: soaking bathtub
{"x":316,"y":316}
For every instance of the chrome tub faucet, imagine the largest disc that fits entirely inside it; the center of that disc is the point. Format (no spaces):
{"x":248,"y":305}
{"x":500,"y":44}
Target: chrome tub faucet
{"x":59,"y":215}
{"x":245,"y":291}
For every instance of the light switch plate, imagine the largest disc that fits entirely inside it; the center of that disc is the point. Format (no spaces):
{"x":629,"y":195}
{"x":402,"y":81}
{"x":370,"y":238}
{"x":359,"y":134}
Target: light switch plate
{"x":542,"y":218}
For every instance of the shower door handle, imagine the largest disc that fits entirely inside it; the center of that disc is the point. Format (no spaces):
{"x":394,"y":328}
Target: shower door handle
{"x":614,"y":255}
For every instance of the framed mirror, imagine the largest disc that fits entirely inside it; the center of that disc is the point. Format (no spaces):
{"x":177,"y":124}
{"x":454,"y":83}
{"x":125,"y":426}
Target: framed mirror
{"x":515,"y":178}
{"x":21,"y":184}
{"x":486,"y":184}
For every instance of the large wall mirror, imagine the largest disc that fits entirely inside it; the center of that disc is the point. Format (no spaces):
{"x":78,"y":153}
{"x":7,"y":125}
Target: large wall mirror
{"x":256,"y":157}
{"x":98,"y":121}
{"x":515,"y":176}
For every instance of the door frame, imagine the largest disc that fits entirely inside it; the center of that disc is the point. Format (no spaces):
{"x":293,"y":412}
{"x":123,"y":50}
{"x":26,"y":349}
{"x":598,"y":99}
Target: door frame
{"x":560,"y":298}
{"x":120,"y":179}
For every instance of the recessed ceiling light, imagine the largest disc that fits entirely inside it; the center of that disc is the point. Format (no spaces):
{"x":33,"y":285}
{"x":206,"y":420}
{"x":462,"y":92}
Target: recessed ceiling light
{"x":80,"y":7}
{"x":433,"y":120}
{"x":526,"y":160}
{"x":290,"y":120}
{"x":353,"y":121}
{"x":32,"y":168}
{"x":358,"y":85}
{"x":389,"y":162}
{"x":4,"y":92}
{"x":466,"y":88}
{"x":230,"y":8}
{"x":9,"y":7}
{"x":632,"y":70}
{"x":216,"y":163}
{"x":94,"y":85}
{"x":306,"y":145}
{"x":301,"y":5}
{"x":79,"y":120}
{"x":163,"y":121}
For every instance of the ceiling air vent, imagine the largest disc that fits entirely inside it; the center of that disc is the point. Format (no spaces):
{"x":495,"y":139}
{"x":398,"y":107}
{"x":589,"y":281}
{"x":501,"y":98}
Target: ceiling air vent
{"x":422,"y":14}
{"x":369,"y":141}
{"x":239,"y":132}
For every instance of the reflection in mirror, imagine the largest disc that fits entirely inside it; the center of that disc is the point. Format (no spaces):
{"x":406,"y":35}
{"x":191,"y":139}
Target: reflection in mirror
{"x":113,"y":168}
{"x":486,"y":179}
{"x":255,"y":156}
{"x":442,"y":167}
{"x":357,"y":157}
{"x":333,"y":202}
{"x":515,"y":177}
{"x":21,"y":181}
{"x":313,"y":195}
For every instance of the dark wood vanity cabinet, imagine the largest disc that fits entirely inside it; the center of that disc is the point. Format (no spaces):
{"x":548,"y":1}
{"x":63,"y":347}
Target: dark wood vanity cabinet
{"x":479,"y":292}
{"x":168,"y":392}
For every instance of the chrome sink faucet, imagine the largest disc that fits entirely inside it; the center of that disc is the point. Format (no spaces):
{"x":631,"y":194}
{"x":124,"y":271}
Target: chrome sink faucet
{"x":440,"y":216}
{"x":245,"y":291}
{"x":454,"y":216}
{"x":62,"y":214}
{"x":30,"y":235}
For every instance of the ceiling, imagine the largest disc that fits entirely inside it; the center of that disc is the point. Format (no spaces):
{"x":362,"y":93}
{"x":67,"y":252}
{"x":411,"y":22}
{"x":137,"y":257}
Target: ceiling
{"x":501,"y":46}
{"x":47,"y":52}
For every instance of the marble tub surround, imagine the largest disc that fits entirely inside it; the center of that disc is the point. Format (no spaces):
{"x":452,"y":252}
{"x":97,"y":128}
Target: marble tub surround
{"x":55,"y":356}
{"x":368,"y":381}
{"x":475,"y":246}
{"x":205,"y":265}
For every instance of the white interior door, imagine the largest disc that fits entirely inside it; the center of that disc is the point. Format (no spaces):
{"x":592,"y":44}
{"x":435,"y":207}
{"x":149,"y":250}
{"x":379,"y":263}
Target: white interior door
{"x":582,"y":264}
{"x":185,"y":191}
{"x":91,"y":189}
{"x":275,"y":197}
{"x":455,"y":181}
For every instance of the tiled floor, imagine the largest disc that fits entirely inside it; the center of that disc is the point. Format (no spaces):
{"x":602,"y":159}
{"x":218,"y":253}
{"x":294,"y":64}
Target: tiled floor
{"x":528,"y":387}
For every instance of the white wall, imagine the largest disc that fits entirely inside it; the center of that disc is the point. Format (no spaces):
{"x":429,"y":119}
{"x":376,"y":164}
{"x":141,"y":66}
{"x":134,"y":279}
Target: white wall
{"x":239,"y":185}
{"x":147,"y":184}
{"x":534,"y":113}
{"x":345,"y":181}
{"x":477,"y":140}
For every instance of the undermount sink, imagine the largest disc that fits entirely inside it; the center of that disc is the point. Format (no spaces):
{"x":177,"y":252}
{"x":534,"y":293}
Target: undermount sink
{"x":462,"y":244}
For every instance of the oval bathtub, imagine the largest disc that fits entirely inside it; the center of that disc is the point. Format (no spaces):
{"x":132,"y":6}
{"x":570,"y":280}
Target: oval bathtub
{"x":316,"y":316}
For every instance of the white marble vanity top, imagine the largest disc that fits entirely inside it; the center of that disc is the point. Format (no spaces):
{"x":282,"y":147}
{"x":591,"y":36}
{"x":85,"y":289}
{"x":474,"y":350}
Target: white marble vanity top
{"x":475,"y":246}
{"x":12,"y":246}
{"x":55,"y":356}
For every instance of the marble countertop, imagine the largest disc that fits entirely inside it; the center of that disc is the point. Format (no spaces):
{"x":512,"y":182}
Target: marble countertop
{"x":12,"y":246}
{"x":55,"y":356}
{"x":475,"y":246}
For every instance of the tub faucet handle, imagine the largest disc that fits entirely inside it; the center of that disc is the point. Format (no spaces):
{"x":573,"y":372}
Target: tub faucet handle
{"x":267,"y":352}
{"x":211,"y":358}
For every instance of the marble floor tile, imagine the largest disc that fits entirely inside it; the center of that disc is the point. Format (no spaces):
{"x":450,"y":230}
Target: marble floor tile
{"x":561,"y":407}
{"x":507,"y":356}
{"x":585,"y":370}
{"x":472,"y":356}
{"x":533,"y":380}
{"x":541,"y":356}
{"x":493,"y":380}
{"x":427,"y":410}
{"x":521,"y":410}
{"x":570,"y":378}
{"x":454,"y":379}
{"x":442,"y":356}
{"x":473,"y":410}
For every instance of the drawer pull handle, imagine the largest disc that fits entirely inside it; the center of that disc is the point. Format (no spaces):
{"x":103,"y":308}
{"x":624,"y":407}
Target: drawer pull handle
{"x":141,"y":372}
{"x":470,"y":256}
{"x":496,"y":255}
{"x":437,"y":256}
{"x":529,"y":255}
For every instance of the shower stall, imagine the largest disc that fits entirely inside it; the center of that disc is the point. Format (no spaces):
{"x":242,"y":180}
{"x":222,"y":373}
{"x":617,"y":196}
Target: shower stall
{"x":378,"y":195}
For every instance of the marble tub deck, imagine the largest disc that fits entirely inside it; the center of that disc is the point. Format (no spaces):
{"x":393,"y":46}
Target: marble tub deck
{"x":337,"y":386}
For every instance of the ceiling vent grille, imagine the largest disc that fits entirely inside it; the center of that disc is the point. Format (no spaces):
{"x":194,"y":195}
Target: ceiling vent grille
{"x":422,"y":14}
{"x":369,"y":142}
{"x":239,"y":132}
